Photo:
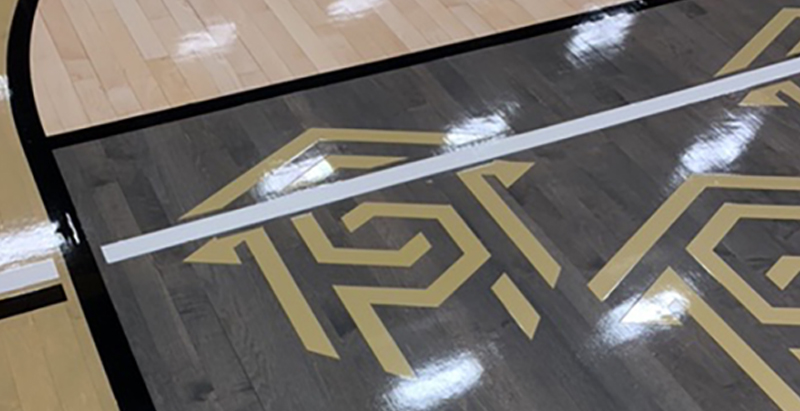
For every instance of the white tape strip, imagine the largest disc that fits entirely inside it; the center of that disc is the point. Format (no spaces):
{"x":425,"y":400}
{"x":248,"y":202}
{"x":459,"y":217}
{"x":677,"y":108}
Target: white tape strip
{"x":28,"y":276}
{"x":305,"y":200}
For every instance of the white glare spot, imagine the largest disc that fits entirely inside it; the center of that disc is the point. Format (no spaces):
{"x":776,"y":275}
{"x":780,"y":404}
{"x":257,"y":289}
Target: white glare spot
{"x":474,"y":129}
{"x":637,"y":318}
{"x":293,"y":175}
{"x":600,"y":37}
{"x":5,"y":92}
{"x":216,"y":39}
{"x":31,"y":242}
{"x":436,"y":383}
{"x":722,"y":144}
{"x":665,"y":307}
{"x":352,"y":9}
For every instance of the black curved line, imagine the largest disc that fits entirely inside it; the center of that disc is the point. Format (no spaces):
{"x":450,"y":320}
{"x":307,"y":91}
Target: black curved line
{"x":123,"y":373}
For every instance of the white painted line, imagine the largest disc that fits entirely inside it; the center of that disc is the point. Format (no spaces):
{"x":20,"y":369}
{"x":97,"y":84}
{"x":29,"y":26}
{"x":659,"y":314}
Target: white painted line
{"x":318,"y":196}
{"x":17,"y":279}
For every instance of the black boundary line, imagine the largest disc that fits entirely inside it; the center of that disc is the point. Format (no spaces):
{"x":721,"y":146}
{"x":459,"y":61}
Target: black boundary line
{"x":342,"y":75}
{"x":123,"y":373}
{"x":33,"y":301}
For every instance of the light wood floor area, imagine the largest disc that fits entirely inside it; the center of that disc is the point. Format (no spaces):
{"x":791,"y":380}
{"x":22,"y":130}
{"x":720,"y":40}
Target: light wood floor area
{"x":96,"y":61}
{"x":48,"y":360}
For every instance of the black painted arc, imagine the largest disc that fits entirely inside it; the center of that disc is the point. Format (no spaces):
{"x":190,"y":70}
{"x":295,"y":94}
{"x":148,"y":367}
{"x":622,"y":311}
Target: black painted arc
{"x":46,"y":297}
{"x":339,"y":76}
{"x":123,"y":373}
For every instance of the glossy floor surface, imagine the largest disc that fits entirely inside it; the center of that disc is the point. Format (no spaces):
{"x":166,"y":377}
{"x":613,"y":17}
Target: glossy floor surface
{"x":647,"y":265}
{"x":96,"y":61}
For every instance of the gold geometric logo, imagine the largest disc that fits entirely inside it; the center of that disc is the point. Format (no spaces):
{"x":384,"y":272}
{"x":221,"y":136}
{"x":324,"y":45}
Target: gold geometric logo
{"x":767,"y":96}
{"x":671,"y":296}
{"x":360,"y":301}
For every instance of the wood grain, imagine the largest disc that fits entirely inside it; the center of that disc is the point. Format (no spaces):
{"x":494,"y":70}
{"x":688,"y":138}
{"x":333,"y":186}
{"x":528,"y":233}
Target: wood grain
{"x":219,"y":332}
{"x":96,"y":61}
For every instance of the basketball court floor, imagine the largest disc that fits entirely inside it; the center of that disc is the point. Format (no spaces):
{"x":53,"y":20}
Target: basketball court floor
{"x":400,"y":205}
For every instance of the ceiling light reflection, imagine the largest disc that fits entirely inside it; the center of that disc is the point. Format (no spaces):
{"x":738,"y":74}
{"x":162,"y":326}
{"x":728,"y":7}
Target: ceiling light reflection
{"x":638,"y":318}
{"x":216,"y":39}
{"x":352,"y":9}
{"x":479,"y":128}
{"x":602,"y":37}
{"x":438,"y":382}
{"x":296,"y":174}
{"x":725,"y":141}
{"x":31,"y":242}
{"x":665,"y":308}
{"x":5,"y":91}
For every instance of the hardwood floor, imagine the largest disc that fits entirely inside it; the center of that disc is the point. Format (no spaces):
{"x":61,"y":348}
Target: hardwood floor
{"x":96,"y":61}
{"x":48,"y":360}
{"x":603,"y":272}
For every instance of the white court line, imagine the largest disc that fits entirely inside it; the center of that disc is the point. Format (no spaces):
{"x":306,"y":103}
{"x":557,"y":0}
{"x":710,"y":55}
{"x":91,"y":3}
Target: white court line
{"x":318,"y":196}
{"x":28,"y":276}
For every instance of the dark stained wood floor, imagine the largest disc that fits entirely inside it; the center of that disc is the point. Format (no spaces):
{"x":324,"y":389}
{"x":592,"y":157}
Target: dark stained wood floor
{"x":214,"y":337}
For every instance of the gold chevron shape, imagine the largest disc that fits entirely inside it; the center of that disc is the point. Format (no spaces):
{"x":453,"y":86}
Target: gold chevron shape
{"x":621,"y":264}
{"x":766,"y":36}
{"x":288,"y":153}
{"x":770,"y":96}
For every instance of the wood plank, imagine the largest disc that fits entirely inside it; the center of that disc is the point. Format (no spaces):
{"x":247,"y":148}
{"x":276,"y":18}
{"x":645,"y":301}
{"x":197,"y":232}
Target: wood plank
{"x":545,"y":10}
{"x":23,"y":345}
{"x":293,"y":56}
{"x":303,"y":34}
{"x":474,"y":22}
{"x":85,"y":342}
{"x":400,"y":25}
{"x":419,"y":17}
{"x":65,"y":360}
{"x":491,"y":12}
{"x":172,"y":81}
{"x":143,"y":84}
{"x":261,"y":47}
{"x":140,"y":29}
{"x":221,"y":47}
{"x":9,"y":398}
{"x":44,"y":102}
{"x":99,"y":50}
{"x":195,"y":41}
{"x":226,"y":33}
{"x":446,"y":20}
{"x":193,"y":80}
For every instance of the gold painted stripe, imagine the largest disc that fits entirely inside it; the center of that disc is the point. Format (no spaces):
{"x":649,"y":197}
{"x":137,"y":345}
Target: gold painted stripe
{"x":702,"y":249}
{"x":517,"y":305}
{"x":291,"y":299}
{"x":508,"y":173}
{"x":620,"y":265}
{"x":354,"y":162}
{"x":766,"y":36}
{"x":298,"y":146}
{"x":324,"y":252}
{"x":672,"y":286}
{"x":784,"y":271}
{"x":769,"y":96}
{"x":360,"y":302}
